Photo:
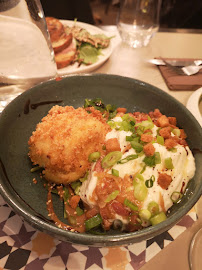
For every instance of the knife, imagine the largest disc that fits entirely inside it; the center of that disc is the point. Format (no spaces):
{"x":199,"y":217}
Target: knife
{"x":175,"y":63}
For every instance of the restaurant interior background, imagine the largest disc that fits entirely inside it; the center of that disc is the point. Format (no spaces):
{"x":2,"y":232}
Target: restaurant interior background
{"x":184,"y":14}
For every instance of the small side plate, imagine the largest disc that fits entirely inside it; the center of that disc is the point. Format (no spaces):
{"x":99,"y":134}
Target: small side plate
{"x":193,"y":105}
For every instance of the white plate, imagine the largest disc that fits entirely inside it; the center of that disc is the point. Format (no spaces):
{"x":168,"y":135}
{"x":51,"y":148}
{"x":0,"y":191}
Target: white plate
{"x":193,"y":104}
{"x":105,"y":53}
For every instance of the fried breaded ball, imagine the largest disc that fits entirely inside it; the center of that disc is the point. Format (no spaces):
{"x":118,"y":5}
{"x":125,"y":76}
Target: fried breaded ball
{"x":63,"y":141}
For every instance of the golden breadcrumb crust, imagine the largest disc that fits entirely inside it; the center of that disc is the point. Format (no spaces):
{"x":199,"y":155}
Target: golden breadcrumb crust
{"x":63,"y":141}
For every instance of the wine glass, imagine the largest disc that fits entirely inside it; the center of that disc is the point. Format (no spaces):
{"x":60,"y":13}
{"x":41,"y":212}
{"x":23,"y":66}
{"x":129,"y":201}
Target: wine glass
{"x":26,"y":53}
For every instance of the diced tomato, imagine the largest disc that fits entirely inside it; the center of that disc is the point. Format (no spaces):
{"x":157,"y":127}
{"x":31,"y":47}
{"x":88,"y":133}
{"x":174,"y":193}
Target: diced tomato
{"x":74,"y":200}
{"x":91,"y":213}
{"x":123,"y":110}
{"x":113,"y":145}
{"x":119,"y":208}
{"x":98,"y":166}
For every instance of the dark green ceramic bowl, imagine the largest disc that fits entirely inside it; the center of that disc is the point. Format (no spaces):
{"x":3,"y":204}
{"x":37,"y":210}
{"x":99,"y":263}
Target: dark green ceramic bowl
{"x":20,"y":117}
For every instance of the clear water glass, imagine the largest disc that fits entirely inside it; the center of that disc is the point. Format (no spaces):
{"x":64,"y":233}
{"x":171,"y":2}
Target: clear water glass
{"x":138,"y":21}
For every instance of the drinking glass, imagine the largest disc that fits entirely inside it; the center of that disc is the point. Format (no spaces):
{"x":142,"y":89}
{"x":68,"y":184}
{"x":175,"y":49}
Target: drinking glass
{"x":26,"y":54}
{"x":138,"y":21}
{"x":195,"y":248}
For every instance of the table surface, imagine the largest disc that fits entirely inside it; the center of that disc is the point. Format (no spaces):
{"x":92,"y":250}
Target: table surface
{"x":133,"y":63}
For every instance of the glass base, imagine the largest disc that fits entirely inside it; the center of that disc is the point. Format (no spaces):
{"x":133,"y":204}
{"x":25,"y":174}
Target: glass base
{"x":195,"y":257}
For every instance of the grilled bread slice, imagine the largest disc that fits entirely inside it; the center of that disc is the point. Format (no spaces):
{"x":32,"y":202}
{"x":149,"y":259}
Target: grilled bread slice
{"x":66,"y":56}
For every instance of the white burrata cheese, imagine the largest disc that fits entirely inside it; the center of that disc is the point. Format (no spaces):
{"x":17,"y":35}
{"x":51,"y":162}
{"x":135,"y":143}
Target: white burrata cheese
{"x":183,"y":171}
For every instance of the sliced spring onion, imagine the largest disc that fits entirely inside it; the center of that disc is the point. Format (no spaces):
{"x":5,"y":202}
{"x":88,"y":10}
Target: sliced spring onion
{"x":93,"y":222}
{"x":115,"y":172}
{"x":128,"y":158}
{"x":76,"y":186}
{"x":153,"y":160}
{"x":133,"y":137}
{"x":139,"y":176}
{"x":150,"y":182}
{"x":140,"y":130}
{"x":137,"y":146}
{"x":110,"y":159}
{"x":146,"y":124}
{"x":140,"y":190}
{"x":112,"y":196}
{"x":157,"y":158}
{"x":149,"y":161}
{"x":85,"y":177}
{"x":144,"y":214}
{"x":131,"y":205}
{"x":34,"y":169}
{"x":176,"y":196}
{"x":168,"y":163}
{"x":112,"y":124}
{"x":176,"y":131}
{"x":79,"y":211}
{"x":153,"y":208}
{"x":66,"y":194}
{"x":160,"y":140}
{"x":94,"y":156}
{"x":173,"y":150}
{"x":143,"y":169}
{"x":158,"y":218}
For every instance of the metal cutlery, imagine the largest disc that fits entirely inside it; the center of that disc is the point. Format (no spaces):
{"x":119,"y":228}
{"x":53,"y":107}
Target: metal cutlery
{"x":181,"y":67}
{"x":176,"y":63}
{"x":191,"y":70}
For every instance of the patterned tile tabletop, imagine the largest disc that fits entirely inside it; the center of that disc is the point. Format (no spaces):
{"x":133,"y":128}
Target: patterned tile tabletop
{"x":23,"y":247}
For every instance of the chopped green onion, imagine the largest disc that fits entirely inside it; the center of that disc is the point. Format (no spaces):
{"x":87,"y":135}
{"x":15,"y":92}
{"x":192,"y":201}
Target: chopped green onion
{"x":85,"y":177}
{"x":128,"y":158}
{"x":150,"y":182}
{"x":146,"y":124}
{"x":160,"y":140}
{"x":94,"y":156}
{"x":158,"y":218}
{"x":112,"y":124}
{"x":153,"y":160}
{"x":34,"y":169}
{"x":140,"y":130}
{"x":168,"y":163}
{"x":144,"y":214}
{"x":157,"y":158}
{"x":93,"y":222}
{"x":137,"y":146}
{"x":76,"y":186}
{"x":143,"y":169}
{"x":115,"y":172}
{"x":110,"y":159}
{"x":66,"y":194}
{"x":153,"y":208}
{"x":132,"y":138}
{"x":176,"y":196}
{"x":173,"y":150}
{"x":149,"y":161}
{"x":112,"y":196}
{"x":79,"y":211}
{"x":176,"y":131}
{"x":140,"y":190}
{"x":139,"y":176}
{"x":131,"y":205}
